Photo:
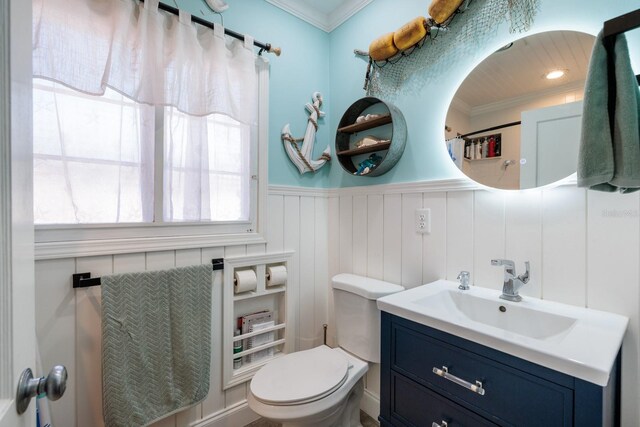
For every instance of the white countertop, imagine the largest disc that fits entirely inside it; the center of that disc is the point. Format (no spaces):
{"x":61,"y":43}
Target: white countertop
{"x":579,"y":342}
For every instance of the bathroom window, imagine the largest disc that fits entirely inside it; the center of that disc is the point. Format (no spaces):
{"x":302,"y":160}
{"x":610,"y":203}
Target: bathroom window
{"x":92,"y":157}
{"x":207,"y":171}
{"x":155,"y":162}
{"x":107,"y":167}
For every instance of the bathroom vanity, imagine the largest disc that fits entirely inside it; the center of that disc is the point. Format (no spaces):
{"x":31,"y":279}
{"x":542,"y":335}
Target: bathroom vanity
{"x":445,"y":362}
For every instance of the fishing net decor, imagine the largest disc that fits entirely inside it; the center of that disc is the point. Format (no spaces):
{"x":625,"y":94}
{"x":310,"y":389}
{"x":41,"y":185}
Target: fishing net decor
{"x":462,"y":35}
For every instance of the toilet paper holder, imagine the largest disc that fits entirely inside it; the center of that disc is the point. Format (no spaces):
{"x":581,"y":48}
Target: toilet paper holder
{"x":267,"y":276}
{"x":265,"y":295}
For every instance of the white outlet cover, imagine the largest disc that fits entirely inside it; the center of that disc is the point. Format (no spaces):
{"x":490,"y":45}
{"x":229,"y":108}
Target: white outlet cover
{"x":423,"y":221}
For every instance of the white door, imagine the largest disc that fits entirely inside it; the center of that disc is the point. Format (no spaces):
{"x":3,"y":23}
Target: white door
{"x":17,"y":312}
{"x":549,"y":144}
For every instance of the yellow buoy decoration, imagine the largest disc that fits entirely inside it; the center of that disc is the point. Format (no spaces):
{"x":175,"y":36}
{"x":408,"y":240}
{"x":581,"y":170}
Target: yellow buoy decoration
{"x":411,"y":33}
{"x":383,"y":48}
{"x":441,"y":10}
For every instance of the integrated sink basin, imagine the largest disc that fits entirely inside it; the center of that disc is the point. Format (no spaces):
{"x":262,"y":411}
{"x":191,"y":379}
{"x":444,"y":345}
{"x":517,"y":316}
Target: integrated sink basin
{"x":494,"y":312}
{"x":577,"y":341}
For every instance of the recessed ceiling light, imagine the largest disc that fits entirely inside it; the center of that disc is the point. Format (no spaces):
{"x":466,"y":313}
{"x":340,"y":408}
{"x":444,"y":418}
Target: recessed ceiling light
{"x":555,"y":74}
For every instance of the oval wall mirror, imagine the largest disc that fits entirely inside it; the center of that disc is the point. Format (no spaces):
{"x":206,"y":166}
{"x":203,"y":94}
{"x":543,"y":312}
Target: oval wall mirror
{"x":515,"y":121}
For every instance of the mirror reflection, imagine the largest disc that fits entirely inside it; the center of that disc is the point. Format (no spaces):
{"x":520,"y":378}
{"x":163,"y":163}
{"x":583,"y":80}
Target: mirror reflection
{"x":515,"y":121}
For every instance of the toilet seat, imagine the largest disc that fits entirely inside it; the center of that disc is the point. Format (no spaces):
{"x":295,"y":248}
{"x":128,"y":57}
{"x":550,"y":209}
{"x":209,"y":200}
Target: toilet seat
{"x":300,"y":377}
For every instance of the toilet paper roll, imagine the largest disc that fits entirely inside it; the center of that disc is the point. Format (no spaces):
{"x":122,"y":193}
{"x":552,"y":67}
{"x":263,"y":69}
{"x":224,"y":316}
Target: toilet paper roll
{"x":277,"y":275}
{"x":245,"y":280}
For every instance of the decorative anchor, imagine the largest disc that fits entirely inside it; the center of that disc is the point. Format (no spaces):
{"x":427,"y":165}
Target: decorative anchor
{"x":301,"y":156}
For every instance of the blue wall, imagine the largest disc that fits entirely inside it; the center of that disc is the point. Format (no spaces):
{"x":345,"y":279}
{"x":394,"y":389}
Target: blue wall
{"x":425,"y":157}
{"x":314,"y":60}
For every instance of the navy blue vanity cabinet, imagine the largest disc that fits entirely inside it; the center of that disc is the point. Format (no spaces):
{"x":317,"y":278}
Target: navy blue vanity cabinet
{"x":429,"y":377}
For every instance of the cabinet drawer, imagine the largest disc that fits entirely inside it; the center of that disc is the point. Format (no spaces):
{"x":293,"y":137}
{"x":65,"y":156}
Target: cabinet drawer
{"x":511,"y":397}
{"x":415,"y":405}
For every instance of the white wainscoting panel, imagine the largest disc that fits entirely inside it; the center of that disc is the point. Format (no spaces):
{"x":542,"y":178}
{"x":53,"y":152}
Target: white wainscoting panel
{"x":360,"y":235}
{"x":613,"y":255}
{"x":434,"y":244}
{"x":346,"y":234}
{"x":459,"y":225}
{"x":88,"y":345}
{"x":69,"y":325}
{"x":275,"y":227}
{"x":584,"y":249}
{"x":564,"y":231}
{"x":215,"y":401}
{"x":375,"y":236}
{"x":392,"y":238}
{"x":488,"y":238}
{"x":523,"y":233}
{"x":411,"y":260}
{"x":306,"y":294}
{"x":291,"y":239}
{"x":56,"y":326}
{"x":322,"y":282}
{"x":333,"y":248}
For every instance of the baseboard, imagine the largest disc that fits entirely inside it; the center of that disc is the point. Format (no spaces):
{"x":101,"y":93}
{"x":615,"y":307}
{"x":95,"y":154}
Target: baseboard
{"x":370,"y":404}
{"x":234,"y":416}
{"x":240,"y":414}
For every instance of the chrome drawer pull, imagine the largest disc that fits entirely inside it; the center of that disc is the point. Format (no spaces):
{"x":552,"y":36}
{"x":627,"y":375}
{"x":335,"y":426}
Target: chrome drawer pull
{"x":444,"y":373}
{"x":442,"y":424}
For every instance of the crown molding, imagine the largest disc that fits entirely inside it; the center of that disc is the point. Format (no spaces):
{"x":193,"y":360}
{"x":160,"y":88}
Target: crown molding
{"x":461,"y":106}
{"x":346,"y":10}
{"x":326,"y":22}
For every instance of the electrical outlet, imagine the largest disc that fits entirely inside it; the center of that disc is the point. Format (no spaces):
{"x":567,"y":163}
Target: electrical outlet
{"x":423,"y":221}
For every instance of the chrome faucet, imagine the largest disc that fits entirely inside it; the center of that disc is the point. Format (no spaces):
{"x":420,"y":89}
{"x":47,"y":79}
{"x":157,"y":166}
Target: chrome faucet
{"x":463,"y":277}
{"x":512,"y":283}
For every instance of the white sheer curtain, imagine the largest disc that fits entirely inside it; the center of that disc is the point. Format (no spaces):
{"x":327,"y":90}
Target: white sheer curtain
{"x":207,"y":172}
{"x":129,"y":55}
{"x":148,"y":55}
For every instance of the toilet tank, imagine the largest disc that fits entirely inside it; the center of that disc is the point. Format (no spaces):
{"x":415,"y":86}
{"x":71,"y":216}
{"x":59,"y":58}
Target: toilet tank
{"x":357,"y":315}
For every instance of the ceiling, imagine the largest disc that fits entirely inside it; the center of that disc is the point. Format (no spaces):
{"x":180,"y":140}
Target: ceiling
{"x":519,"y":71}
{"x":324,"y":14}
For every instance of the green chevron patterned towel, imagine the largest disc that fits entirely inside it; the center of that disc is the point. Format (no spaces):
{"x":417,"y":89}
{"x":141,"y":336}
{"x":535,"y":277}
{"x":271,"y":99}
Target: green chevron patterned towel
{"x":156,"y":343}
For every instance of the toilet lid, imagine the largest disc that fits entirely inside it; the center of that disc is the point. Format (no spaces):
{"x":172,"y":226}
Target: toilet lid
{"x":300,"y":377}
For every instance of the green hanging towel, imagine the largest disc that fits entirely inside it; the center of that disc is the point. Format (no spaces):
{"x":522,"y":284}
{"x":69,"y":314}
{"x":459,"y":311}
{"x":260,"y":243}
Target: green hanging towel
{"x":156,"y":343}
{"x":609,"y":156}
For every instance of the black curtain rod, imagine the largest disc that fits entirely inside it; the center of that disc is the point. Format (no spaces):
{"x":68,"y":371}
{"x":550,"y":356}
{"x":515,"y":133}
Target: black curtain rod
{"x":208,"y":24}
{"x":621,"y":24}
{"x":506,"y":125}
{"x":84,"y":280}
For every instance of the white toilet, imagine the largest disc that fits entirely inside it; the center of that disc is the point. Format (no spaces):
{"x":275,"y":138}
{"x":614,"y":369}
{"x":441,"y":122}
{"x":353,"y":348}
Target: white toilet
{"x":323,"y":386}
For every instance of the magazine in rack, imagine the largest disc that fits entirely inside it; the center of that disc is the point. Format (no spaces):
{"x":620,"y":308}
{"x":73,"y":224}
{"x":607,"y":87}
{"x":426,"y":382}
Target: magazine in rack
{"x":256,"y":322}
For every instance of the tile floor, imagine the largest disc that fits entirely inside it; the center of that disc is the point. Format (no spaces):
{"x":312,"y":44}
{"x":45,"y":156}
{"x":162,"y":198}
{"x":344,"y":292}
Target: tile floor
{"x":365,"y":419}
